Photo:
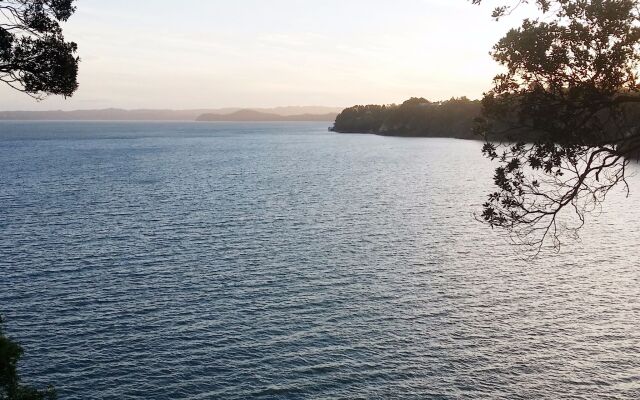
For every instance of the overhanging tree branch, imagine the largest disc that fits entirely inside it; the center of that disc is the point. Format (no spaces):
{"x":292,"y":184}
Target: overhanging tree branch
{"x":569,"y":100}
{"x":34,"y":56}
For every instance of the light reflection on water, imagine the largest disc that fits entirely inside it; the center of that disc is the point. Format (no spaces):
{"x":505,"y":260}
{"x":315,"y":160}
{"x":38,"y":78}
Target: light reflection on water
{"x":168,"y":261}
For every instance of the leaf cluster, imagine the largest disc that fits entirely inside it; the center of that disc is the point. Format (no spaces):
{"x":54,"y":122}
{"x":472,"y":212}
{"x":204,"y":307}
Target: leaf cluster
{"x":570,"y":99}
{"x":34,"y":56}
{"x":10,"y":386}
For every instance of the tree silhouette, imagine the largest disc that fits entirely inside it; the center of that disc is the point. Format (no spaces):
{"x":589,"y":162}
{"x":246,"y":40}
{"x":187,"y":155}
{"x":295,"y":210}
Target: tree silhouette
{"x":414,"y":117}
{"x":34,"y":57}
{"x":568,"y":100}
{"x":10,"y":387}
{"x":36,"y":60}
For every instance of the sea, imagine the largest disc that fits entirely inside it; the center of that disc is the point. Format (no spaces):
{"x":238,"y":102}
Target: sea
{"x":157,"y":260}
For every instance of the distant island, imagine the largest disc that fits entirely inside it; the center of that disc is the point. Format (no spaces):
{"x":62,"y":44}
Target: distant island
{"x":253,"y":115}
{"x":292,"y":113}
{"x":416,"y":117}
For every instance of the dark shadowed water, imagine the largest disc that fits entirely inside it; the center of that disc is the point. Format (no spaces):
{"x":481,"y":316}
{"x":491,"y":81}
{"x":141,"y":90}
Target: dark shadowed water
{"x":281,"y":261}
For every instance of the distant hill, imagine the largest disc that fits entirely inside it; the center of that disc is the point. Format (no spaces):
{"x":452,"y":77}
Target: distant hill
{"x":110,"y":114}
{"x":253,"y":115}
{"x":116,"y":114}
{"x":299,"y":110}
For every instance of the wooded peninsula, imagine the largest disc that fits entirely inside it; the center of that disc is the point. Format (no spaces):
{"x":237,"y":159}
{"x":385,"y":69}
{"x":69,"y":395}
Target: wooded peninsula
{"x":416,"y":117}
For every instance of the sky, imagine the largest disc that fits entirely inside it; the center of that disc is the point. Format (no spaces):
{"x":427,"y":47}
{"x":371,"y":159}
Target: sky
{"x":267,"y":53}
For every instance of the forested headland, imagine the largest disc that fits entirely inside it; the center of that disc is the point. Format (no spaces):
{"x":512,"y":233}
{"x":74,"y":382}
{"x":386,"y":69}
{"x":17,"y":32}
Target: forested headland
{"x":458,"y":118}
{"x":416,"y":117}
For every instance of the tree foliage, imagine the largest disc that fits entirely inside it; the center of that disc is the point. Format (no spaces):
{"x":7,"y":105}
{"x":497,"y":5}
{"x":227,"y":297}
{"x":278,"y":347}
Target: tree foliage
{"x":10,"y":387}
{"x":569,"y":100}
{"x":34,"y":56}
{"x":414,"y":117}
{"x":505,"y":9}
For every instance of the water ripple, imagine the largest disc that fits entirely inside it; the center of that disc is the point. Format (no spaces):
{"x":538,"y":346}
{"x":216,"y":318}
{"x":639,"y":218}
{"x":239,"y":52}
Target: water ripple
{"x":240,"y":261}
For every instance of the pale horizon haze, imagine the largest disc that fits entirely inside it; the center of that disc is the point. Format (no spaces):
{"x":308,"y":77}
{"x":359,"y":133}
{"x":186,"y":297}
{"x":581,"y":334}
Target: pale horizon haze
{"x":250,"y":53}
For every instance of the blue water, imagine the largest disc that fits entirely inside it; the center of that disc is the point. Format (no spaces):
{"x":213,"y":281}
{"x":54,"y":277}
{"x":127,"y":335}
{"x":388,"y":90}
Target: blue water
{"x":281,"y":261}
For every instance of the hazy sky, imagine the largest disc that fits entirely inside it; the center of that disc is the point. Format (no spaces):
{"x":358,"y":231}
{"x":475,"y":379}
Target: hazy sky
{"x":253,"y":53}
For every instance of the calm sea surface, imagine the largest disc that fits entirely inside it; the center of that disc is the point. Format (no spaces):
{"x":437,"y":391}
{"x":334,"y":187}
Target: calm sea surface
{"x":281,"y":261}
